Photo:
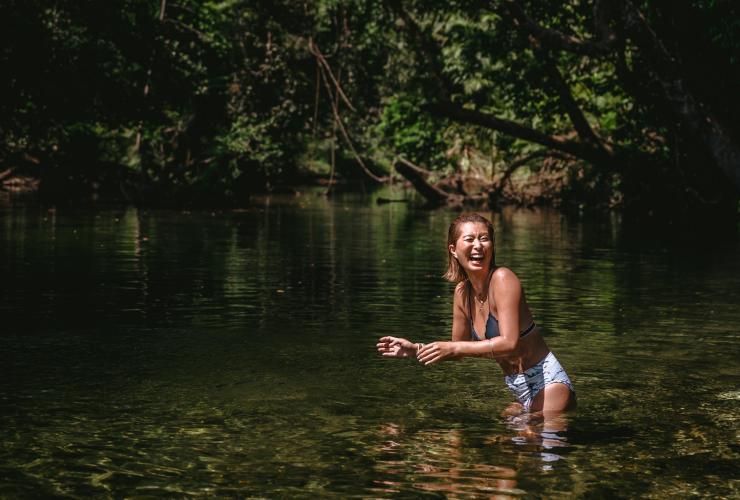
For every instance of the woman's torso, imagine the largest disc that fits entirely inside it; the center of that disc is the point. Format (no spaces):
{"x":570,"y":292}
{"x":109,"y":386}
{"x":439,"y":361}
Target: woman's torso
{"x":531,"y":347}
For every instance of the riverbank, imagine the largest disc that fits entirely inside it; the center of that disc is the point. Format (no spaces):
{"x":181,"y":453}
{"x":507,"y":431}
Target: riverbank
{"x":472,"y":182}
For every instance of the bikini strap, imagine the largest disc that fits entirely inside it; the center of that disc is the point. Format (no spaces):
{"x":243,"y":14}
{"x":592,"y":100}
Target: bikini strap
{"x":470,"y":304}
{"x":527,"y":330}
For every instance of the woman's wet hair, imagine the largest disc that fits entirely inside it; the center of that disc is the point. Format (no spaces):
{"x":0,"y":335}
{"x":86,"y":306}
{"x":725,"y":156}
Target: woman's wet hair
{"x":455,"y":273}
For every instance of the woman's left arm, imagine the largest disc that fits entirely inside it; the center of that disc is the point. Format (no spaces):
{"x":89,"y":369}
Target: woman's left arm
{"x":507,"y":292}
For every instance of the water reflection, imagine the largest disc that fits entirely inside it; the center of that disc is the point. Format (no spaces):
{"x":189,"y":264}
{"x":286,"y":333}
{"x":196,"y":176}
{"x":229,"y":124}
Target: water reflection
{"x":439,"y":464}
{"x":539,"y":435}
{"x":452,"y":462}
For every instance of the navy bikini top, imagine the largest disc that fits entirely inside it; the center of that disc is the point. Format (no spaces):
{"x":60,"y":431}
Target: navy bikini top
{"x":492,"y":324}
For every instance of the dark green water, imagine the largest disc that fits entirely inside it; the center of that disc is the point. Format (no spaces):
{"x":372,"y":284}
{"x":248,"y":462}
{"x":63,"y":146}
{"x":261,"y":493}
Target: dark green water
{"x":167,"y":353}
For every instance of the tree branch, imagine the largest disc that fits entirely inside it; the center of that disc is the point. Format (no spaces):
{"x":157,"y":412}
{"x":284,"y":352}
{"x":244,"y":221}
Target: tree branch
{"x":343,"y":130}
{"x":570,"y":106}
{"x":557,"y":40}
{"x":417,"y":176}
{"x":428,"y":47}
{"x":592,"y":152}
{"x":314,"y":50}
{"x":179,"y":24}
{"x":474,"y":117}
{"x":540,"y":36}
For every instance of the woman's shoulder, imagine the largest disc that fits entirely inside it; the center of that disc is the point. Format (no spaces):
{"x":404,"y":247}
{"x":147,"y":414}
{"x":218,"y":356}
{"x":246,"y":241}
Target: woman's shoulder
{"x":505,"y":276}
{"x":460,"y":288}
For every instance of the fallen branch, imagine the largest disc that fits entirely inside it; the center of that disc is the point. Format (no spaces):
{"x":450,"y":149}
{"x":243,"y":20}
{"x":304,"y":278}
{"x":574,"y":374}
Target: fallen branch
{"x":418,"y":177}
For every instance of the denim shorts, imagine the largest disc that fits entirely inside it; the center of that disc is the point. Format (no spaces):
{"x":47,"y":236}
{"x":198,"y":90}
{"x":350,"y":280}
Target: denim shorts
{"x":526,"y":385}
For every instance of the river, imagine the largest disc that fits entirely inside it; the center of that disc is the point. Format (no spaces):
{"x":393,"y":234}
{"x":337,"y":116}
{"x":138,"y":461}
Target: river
{"x":185,"y":353}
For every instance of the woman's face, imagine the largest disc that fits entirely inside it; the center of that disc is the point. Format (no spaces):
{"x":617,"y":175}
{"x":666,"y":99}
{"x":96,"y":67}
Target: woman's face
{"x":473,"y":249}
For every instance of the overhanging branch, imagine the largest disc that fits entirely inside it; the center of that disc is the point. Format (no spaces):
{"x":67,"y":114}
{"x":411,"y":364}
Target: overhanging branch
{"x":443,"y":105}
{"x":519,"y":131}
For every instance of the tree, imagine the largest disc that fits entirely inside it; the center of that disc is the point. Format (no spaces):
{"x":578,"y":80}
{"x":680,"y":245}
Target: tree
{"x":206,"y":102}
{"x":604,"y":86}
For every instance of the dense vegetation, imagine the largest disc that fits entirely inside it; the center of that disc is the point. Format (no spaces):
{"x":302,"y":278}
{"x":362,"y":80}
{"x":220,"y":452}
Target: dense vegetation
{"x":604,"y":103}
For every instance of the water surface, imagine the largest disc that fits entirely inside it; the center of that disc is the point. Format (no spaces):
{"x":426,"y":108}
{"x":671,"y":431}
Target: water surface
{"x":176,"y":353}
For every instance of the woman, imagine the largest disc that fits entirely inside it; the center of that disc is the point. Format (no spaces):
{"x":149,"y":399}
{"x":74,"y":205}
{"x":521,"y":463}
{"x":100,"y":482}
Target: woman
{"x":491,"y":318}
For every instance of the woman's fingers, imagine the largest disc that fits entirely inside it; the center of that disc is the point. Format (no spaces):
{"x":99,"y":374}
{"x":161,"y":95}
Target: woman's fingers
{"x":391,"y":341}
{"x":431,"y":360}
{"x":387,"y":341}
{"x":391,"y":347}
{"x":428,"y":354}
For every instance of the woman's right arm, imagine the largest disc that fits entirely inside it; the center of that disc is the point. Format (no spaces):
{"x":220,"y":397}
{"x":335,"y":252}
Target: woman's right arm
{"x":396,"y":347}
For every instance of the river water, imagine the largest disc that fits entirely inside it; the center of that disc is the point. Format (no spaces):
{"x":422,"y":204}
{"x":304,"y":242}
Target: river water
{"x":232,"y":353}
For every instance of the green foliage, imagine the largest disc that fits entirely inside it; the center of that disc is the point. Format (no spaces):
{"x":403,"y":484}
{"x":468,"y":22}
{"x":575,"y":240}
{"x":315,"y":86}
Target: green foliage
{"x":414,"y":134}
{"x":217,"y":99}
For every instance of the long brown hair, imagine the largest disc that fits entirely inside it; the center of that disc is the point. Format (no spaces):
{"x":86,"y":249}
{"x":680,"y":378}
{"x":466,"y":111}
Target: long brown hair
{"x":455,"y":273}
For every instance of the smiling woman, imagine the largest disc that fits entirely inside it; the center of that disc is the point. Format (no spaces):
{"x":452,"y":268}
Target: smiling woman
{"x":489,"y":299}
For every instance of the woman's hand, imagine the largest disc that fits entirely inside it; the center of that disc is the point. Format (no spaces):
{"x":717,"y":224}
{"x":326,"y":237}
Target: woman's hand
{"x":396,"y":347}
{"x":436,"y":351}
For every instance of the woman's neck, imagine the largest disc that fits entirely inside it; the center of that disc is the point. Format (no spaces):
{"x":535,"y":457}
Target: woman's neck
{"x":479,"y":282}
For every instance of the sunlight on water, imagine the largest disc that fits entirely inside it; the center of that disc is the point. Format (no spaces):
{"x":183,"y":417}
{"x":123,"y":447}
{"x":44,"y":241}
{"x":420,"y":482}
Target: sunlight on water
{"x":176,"y":353}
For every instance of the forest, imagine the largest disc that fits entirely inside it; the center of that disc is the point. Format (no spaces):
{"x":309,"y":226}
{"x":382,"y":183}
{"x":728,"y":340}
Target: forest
{"x":609,"y":104}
